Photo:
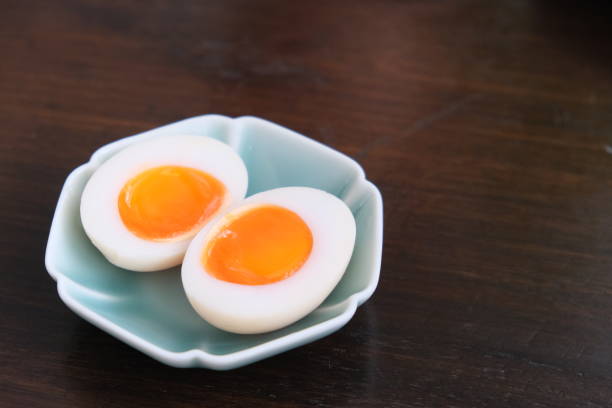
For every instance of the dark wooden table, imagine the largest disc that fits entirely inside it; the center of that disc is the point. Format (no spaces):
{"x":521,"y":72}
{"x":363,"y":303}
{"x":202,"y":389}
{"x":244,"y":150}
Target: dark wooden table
{"x":487,"y":125}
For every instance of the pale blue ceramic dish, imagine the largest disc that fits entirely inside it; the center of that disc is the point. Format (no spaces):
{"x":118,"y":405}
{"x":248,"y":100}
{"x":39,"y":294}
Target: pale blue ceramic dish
{"x":150,"y":312}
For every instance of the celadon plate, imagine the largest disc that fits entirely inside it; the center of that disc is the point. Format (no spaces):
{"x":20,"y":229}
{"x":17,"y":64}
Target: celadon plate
{"x":150,"y":312}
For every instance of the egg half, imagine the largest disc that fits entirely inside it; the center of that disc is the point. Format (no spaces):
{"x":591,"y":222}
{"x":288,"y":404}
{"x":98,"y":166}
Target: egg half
{"x":142,"y":207}
{"x":270,"y":260}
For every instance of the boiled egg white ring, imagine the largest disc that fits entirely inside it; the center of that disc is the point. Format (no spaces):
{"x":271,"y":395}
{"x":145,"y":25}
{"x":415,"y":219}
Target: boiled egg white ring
{"x":260,"y":308}
{"x":99,"y":209}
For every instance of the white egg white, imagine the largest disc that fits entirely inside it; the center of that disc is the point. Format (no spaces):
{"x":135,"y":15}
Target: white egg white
{"x":99,"y":202}
{"x":251,"y":309}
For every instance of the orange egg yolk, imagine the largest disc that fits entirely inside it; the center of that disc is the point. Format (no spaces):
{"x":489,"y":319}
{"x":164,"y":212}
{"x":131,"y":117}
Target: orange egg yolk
{"x":167,"y":202}
{"x":263,"y":245}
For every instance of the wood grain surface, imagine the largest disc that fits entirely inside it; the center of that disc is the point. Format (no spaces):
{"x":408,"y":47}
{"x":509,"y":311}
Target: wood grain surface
{"x":487,"y":125}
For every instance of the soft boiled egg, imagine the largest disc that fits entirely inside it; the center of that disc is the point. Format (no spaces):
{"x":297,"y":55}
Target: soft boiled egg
{"x":142,"y":207}
{"x":269,"y":261}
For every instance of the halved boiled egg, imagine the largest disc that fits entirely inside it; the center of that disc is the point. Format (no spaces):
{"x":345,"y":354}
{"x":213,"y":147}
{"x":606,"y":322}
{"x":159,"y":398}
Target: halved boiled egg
{"x":269,"y":261}
{"x":142,"y":206}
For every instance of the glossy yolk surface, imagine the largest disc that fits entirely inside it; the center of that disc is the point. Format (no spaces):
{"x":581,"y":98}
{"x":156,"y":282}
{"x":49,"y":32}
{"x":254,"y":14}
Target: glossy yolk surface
{"x":166,"y":202}
{"x":263,"y":245}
